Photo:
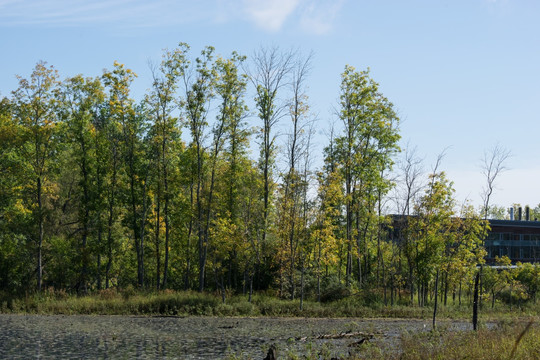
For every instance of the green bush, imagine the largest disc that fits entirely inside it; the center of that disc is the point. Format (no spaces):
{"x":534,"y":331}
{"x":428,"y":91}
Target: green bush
{"x":128,"y":292}
{"x":225,"y":310}
{"x":245,"y":308}
{"x":514,"y":295}
{"x":332,"y":290}
{"x":371,"y":298}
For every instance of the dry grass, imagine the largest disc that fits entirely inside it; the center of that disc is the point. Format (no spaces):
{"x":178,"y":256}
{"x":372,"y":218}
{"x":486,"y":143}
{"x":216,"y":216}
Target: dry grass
{"x":506,"y":342}
{"x":521,"y":341}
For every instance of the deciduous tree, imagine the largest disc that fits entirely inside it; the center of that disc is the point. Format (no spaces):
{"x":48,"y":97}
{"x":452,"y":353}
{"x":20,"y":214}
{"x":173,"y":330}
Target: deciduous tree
{"x":35,"y":103}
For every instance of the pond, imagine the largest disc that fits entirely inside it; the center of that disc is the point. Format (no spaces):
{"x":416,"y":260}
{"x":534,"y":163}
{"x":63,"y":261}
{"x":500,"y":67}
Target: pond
{"x":137,"y":337}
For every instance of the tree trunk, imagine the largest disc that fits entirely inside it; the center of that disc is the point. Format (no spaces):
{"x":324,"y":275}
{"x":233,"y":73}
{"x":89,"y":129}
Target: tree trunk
{"x":319,"y":274}
{"x":475,"y":302}
{"x":200,"y":230}
{"x":445,"y":288}
{"x":411,"y":282}
{"x":156,"y":241}
{"x":436,"y":297}
{"x":85,"y":221}
{"x":142,"y":232}
{"x":188,"y":247}
{"x":166,"y":215}
{"x":250,"y":287}
{"x":222,"y":288}
{"x":392,"y":290}
{"x":112,"y":197}
{"x":40,"y":236}
{"x":302,"y":288}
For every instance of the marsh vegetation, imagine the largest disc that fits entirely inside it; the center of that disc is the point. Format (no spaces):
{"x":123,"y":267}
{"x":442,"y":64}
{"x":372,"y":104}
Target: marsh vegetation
{"x":144,"y":337}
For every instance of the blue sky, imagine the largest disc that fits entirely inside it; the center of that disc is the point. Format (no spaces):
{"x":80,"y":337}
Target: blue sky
{"x":463,"y":74}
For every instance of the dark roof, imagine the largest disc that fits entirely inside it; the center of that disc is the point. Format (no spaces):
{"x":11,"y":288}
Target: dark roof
{"x":516,"y":223}
{"x":493,"y":222}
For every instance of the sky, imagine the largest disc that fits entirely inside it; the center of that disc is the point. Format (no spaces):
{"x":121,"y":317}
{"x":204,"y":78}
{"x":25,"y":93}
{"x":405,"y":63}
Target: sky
{"x":463,"y":75}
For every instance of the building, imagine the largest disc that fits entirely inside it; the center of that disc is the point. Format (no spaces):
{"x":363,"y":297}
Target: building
{"x":517,"y":239}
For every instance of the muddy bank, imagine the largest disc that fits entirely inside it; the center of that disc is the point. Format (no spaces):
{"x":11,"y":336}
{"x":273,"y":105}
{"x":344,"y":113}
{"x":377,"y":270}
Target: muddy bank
{"x":131,"y":337}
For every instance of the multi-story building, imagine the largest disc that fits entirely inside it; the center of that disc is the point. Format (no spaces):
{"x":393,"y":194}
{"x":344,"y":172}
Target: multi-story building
{"x":517,"y":239}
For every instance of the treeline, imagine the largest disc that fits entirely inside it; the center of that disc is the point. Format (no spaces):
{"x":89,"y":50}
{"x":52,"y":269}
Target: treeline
{"x":98,"y":190}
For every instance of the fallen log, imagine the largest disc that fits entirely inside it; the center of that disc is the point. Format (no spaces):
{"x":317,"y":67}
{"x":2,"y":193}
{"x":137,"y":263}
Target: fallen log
{"x":343,"y":335}
{"x":360,"y":342}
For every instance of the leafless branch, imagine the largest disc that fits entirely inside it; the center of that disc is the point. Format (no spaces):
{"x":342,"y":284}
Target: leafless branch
{"x":493,"y":164}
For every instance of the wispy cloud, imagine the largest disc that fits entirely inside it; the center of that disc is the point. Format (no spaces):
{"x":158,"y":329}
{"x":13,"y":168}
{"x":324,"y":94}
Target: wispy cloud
{"x":269,"y":14}
{"x":81,"y":12}
{"x":318,"y":16}
{"x":312,"y":16}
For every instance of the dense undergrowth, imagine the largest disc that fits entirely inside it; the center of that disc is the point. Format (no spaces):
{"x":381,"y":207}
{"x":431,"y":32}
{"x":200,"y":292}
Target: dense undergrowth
{"x":172,"y":303}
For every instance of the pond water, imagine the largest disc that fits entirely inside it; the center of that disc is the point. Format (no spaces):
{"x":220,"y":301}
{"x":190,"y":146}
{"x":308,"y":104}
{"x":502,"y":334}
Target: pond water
{"x":134,"y":337}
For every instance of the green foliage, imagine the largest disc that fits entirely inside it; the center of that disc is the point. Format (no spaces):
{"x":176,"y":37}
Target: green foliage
{"x":529,"y":276}
{"x":129,"y":301}
{"x":363,"y":155}
{"x":333,"y":289}
{"x":102,"y":194}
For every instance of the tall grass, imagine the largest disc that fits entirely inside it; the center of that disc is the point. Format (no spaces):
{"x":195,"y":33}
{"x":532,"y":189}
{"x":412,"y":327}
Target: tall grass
{"x":184,"y":303}
{"x":519,"y":341}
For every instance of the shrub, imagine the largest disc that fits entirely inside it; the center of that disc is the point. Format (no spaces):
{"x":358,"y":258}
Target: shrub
{"x":128,"y":292}
{"x":225,"y":310}
{"x":333,"y":291}
{"x":244,"y":308}
{"x":371,"y":298}
{"x":107,"y":294}
{"x":515,"y":295}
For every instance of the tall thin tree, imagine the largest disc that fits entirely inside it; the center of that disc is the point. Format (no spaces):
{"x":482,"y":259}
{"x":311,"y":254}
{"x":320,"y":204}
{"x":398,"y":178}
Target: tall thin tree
{"x":35,"y":101}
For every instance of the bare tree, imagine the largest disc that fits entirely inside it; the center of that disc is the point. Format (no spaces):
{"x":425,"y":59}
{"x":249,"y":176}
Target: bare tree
{"x":493,"y":164}
{"x":297,"y":148}
{"x":410,"y":168}
{"x":411,"y":172}
{"x":269,"y":74}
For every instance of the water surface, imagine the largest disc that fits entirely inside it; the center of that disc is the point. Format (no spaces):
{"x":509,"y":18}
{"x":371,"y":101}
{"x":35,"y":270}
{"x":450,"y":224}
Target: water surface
{"x":137,"y":337}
